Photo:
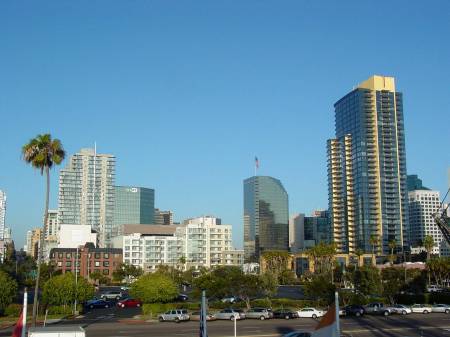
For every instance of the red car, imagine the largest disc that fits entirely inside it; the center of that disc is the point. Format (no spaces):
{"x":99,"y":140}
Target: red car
{"x":129,"y":303}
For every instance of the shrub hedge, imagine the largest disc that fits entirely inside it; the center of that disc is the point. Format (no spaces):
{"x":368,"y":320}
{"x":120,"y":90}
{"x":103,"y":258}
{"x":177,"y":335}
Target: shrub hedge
{"x":13,"y":310}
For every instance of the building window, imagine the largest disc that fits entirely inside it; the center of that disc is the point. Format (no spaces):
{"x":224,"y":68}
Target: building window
{"x":106,"y":256}
{"x":105,"y":263}
{"x":59,"y":263}
{"x":97,"y":263}
{"x":97,"y":256}
{"x":127,"y":254}
{"x":60,"y":255}
{"x":68,"y":264}
{"x":68,"y":256}
{"x":105,"y":271}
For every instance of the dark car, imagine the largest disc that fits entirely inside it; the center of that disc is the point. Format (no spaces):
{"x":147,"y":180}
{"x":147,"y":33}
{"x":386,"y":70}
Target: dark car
{"x":285,"y":313}
{"x":354,"y":310}
{"x":98,"y":304}
{"x":129,"y":303}
{"x":182,"y":298}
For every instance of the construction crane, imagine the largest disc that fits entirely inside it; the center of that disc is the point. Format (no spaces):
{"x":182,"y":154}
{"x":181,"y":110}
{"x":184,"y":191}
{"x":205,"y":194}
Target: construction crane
{"x":441,"y":219}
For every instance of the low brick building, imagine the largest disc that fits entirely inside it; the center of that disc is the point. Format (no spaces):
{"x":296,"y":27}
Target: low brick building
{"x":89,"y":260}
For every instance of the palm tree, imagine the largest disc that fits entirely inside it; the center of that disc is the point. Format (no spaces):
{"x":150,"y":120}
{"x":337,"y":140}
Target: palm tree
{"x":428,"y":244}
{"x":374,"y":241}
{"x":359,"y":252}
{"x":42,"y":153}
{"x":392,"y":244}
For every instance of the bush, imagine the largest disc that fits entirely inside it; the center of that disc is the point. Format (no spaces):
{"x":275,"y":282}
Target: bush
{"x":289,"y":303}
{"x":154,"y":309}
{"x":61,"y":309}
{"x":154,"y":288}
{"x":264,"y":302}
{"x":438,"y":298}
{"x":13,"y":310}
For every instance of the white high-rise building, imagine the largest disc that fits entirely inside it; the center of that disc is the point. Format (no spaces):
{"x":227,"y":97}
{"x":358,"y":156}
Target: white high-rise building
{"x":2,"y":214}
{"x":202,"y":242}
{"x":422,"y":205}
{"x":296,"y":232}
{"x":86,"y":192}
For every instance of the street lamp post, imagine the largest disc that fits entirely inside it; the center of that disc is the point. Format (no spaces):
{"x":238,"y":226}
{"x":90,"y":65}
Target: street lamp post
{"x":76,"y":283}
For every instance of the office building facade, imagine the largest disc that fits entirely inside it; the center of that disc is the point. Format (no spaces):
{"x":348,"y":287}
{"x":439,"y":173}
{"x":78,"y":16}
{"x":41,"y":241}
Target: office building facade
{"x":266,"y":217}
{"x":163,"y":217}
{"x":422,"y":205}
{"x":367,"y":169}
{"x":133,"y":205}
{"x":86,"y":192}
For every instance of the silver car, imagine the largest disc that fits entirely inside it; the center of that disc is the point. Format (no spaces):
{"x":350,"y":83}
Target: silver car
{"x":176,"y":316}
{"x":445,"y":308}
{"x":259,"y":313}
{"x":229,"y":314}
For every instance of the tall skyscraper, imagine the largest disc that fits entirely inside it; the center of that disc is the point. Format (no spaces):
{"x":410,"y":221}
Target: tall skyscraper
{"x":2,"y":214}
{"x":86,"y":192}
{"x":133,"y":205}
{"x":414,"y":183}
{"x":266,"y":216}
{"x":367,"y":168}
{"x":423,"y":203}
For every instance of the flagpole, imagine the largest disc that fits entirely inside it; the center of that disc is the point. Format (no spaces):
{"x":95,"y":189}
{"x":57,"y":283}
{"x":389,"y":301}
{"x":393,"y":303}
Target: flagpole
{"x":24,"y":313}
{"x":338,"y":326}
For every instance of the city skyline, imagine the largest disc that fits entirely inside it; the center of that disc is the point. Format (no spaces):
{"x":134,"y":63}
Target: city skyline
{"x":185,"y":112}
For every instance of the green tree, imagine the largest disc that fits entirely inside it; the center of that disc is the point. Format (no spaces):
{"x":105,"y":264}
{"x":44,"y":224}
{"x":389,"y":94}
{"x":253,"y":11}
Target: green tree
{"x":8,"y":290}
{"x":48,"y":270}
{"x":276,"y":262}
{"x":99,"y":278}
{"x":367,"y":280}
{"x":127,"y":272}
{"x":322,"y":256}
{"x":62,"y":290}
{"x":428,"y":244}
{"x":42,"y":153}
{"x":393,"y":282}
{"x":359,"y":252}
{"x":439,"y":269}
{"x":320,"y":288}
{"x":153,"y":288}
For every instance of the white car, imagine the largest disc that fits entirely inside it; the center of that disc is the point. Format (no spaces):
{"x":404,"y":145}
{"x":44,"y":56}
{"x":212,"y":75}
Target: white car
{"x":421,"y":308}
{"x":432,"y":288}
{"x":445,"y":308}
{"x":401,"y":309}
{"x":310,"y":312}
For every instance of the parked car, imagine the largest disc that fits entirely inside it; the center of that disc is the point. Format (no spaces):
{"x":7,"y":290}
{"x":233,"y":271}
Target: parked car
{"x":374,"y":308}
{"x":354,"y":310}
{"x":129,"y":303}
{"x":445,"y":308}
{"x":297,"y":334}
{"x":432,"y":288}
{"x":124,"y":288}
{"x":176,"y":316}
{"x":231,"y":299}
{"x":111,"y":295}
{"x":195,"y":316}
{"x":230,"y":314}
{"x":310,"y":312}
{"x":421,"y":308}
{"x":401,"y":309}
{"x":285,"y":313}
{"x":259,"y":313}
{"x":182,"y":298}
{"x":96,"y":303}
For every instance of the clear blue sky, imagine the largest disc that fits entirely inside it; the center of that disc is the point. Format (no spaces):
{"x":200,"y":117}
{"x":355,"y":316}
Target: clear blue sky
{"x":186,"y":93}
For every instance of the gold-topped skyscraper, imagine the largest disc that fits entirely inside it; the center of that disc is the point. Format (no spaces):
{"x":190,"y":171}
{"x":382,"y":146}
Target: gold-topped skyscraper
{"x":367,"y":169}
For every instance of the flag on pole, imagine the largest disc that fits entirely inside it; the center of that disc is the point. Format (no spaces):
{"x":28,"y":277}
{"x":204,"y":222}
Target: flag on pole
{"x":329,"y":324}
{"x":256,"y":162}
{"x":17,"y":332}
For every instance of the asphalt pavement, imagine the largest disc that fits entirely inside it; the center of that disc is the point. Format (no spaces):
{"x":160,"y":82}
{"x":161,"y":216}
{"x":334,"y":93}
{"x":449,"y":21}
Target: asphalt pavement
{"x":116,"y":322}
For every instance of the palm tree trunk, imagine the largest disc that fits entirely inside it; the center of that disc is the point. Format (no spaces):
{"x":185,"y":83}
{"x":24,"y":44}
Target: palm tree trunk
{"x":41,"y":249}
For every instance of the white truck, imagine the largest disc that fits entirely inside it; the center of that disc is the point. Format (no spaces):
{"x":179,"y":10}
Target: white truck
{"x":57,"y":331}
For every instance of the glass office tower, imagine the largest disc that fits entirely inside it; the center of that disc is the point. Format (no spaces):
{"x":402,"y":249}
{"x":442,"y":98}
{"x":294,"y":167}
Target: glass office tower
{"x":367,"y":168}
{"x":134,"y":205}
{"x":266,"y":216}
{"x":86,"y":192}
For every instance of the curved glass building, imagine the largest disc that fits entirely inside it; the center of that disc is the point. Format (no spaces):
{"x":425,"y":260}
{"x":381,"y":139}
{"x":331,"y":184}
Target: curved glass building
{"x":266,"y":216}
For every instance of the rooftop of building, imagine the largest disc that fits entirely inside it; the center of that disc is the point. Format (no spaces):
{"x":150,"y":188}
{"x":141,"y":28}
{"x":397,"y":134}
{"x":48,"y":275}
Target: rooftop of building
{"x":378,"y":82}
{"x":149,"y":229}
{"x":90,"y":246}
